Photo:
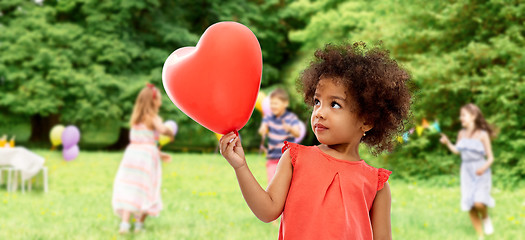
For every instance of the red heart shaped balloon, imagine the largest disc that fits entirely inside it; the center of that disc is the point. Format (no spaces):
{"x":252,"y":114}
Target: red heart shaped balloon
{"x":216,"y":82}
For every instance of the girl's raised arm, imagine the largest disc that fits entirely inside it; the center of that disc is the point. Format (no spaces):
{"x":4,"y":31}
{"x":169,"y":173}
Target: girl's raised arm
{"x":444,"y":139}
{"x":267,"y":205}
{"x":160,"y":127}
{"x":380,"y":214}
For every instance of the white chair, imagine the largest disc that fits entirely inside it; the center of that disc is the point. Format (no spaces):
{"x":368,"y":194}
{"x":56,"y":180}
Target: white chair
{"x":44,"y":179}
{"x":14,"y":174}
{"x":9,"y":171}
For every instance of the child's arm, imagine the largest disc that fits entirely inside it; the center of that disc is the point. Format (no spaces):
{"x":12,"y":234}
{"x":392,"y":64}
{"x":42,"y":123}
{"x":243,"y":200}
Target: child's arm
{"x":165,"y":157}
{"x":263,"y":129}
{"x":444,"y":139}
{"x":485,"y":139}
{"x":292,"y":129}
{"x":267,"y":205}
{"x":380,"y":214}
{"x":161,"y":128}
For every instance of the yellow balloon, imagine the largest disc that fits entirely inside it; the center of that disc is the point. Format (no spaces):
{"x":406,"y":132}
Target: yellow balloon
{"x":163,"y":140}
{"x":56,"y":135}
{"x":218,"y":136}
{"x":260,"y":98}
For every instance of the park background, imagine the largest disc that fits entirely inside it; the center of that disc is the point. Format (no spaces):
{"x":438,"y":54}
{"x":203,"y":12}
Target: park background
{"x":82,"y":63}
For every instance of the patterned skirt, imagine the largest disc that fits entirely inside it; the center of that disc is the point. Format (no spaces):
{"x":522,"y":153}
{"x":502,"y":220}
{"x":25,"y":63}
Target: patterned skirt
{"x":137,"y":184}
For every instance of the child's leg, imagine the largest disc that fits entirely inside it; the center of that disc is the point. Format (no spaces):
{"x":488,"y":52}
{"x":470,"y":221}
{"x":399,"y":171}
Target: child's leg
{"x":139,"y":224}
{"x":143,"y":217}
{"x":487,"y":223}
{"x":124,"y":225}
{"x":482,"y":209}
{"x":125,"y":216}
{"x":476,"y":221}
{"x":271,"y":166}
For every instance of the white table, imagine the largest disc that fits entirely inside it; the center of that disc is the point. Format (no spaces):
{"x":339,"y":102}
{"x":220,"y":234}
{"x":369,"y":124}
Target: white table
{"x":23,"y":161}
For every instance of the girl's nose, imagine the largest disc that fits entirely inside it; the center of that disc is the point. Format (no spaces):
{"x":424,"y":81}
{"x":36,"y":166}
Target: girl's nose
{"x":319,"y":112}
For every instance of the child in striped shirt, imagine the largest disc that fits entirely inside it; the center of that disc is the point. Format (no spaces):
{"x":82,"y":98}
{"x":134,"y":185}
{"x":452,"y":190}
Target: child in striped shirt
{"x":282,"y":125}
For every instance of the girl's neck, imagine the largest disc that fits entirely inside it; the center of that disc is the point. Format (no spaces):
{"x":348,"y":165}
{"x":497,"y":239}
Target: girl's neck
{"x":346,"y":151}
{"x":471,"y":130}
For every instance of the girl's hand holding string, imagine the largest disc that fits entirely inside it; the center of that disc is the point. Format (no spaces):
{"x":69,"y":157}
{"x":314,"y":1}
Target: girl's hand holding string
{"x":231,"y":149}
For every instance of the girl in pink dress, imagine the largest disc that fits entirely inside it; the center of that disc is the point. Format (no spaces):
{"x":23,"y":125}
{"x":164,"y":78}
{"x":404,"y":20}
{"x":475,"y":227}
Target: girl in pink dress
{"x":136,"y":189}
{"x":328,"y":191}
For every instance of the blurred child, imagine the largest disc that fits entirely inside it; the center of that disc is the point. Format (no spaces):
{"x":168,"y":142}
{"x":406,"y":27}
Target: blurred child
{"x":357,"y":96}
{"x":136,"y":188}
{"x":282,"y":125}
{"x":473,"y":143}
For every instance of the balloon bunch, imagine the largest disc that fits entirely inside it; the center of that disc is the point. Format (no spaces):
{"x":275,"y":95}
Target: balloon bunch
{"x":434,"y":127}
{"x":67,"y":136}
{"x":163,"y":139}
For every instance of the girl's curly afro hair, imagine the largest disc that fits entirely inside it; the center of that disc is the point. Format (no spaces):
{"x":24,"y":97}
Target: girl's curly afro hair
{"x":376,"y":83}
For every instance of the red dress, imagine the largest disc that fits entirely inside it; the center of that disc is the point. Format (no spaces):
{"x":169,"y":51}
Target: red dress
{"x":329,"y":198}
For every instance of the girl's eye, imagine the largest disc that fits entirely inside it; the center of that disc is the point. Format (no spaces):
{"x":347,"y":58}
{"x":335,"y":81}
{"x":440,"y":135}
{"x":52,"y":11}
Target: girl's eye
{"x":336,"y":105}
{"x":316,"y":102}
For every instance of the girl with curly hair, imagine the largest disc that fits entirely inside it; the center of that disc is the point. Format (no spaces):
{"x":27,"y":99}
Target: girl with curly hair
{"x":328,"y":191}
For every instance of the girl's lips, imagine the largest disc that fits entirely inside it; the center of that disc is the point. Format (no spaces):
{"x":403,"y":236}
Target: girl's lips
{"x":320,"y":127}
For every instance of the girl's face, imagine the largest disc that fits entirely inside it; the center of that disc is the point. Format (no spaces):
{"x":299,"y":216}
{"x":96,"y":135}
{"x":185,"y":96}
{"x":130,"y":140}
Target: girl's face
{"x":158,"y":99}
{"x":466,"y":118}
{"x":333,"y":119}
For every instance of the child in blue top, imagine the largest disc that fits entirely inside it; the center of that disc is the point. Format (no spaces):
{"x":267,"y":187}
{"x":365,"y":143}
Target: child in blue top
{"x":282,"y":125}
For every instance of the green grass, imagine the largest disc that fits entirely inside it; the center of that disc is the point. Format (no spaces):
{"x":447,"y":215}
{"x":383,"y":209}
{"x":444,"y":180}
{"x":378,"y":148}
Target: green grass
{"x":202,"y":201}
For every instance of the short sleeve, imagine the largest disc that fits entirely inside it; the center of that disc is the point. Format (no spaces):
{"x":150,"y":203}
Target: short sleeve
{"x":293,"y":150}
{"x":382,"y":175}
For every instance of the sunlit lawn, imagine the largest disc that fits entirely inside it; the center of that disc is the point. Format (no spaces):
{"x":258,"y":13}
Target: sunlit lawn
{"x":202,"y":201}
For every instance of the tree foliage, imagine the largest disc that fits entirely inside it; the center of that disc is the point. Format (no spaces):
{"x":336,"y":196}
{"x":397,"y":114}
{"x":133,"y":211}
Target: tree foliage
{"x":458,"y":52}
{"x":84,"y":61}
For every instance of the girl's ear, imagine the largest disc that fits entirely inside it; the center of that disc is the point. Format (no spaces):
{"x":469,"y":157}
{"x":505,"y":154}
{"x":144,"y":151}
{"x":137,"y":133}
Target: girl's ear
{"x":367,"y":126}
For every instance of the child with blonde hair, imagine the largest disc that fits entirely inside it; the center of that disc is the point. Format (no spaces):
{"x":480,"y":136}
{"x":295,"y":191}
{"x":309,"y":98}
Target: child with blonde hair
{"x":328,"y":191}
{"x":136,"y":189}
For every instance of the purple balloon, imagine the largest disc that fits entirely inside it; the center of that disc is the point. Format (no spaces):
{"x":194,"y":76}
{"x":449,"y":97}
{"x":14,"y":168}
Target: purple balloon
{"x":302,"y":129}
{"x":173,"y":125}
{"x":70,"y":136}
{"x":70,"y":153}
